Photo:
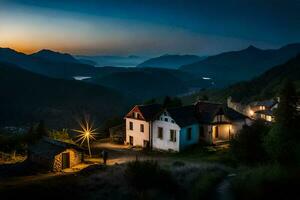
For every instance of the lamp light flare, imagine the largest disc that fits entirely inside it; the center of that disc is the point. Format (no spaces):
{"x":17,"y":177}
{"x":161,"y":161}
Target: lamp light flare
{"x":87,"y":133}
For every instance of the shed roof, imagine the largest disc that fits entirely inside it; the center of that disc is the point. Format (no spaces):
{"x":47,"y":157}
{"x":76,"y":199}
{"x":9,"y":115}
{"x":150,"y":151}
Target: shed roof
{"x":206,"y":111}
{"x":47,"y":147}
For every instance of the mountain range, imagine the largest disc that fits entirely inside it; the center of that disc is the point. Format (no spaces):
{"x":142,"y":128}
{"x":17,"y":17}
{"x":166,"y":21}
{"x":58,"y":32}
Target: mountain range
{"x":170,"y":61}
{"x":48,"y":63}
{"x":265,"y":86}
{"x":244,"y":64}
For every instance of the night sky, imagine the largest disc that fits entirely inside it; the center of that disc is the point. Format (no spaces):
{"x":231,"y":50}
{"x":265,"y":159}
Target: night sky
{"x":147,"y":27}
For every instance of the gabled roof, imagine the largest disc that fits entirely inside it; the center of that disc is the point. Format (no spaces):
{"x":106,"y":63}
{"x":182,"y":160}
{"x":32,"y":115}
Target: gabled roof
{"x":184,"y":116}
{"x":206,"y":111}
{"x":49,"y":148}
{"x":148,"y":112}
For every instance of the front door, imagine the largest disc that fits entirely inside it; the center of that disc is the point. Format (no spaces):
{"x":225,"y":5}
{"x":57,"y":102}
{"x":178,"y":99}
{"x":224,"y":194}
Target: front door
{"x":216,"y":132}
{"x":65,"y":160}
{"x":146,"y":144}
{"x":131,"y":140}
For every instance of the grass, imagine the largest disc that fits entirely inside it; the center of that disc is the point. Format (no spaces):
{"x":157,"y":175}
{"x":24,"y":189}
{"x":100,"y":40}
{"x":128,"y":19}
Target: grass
{"x":200,"y":153}
{"x":204,"y":186}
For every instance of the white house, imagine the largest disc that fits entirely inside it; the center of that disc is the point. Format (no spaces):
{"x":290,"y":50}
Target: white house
{"x":175,"y":129}
{"x":138,"y":124}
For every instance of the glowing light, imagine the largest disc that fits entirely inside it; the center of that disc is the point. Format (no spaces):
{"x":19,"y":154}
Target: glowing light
{"x":251,"y":112}
{"x":87,"y":133}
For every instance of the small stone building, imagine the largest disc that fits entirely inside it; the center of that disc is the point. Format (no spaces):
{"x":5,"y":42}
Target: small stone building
{"x":55,"y":155}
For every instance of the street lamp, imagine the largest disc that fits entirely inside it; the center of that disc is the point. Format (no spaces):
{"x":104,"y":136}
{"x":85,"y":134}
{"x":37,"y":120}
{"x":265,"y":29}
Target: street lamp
{"x":87,"y":133}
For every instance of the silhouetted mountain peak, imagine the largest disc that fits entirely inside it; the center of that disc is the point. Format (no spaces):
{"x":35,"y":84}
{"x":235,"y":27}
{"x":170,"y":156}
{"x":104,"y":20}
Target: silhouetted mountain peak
{"x":252,"y":48}
{"x":54,"y":56}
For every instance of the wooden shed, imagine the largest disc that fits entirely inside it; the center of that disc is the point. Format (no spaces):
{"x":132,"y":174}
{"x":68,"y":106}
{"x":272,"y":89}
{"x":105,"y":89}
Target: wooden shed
{"x":55,"y":155}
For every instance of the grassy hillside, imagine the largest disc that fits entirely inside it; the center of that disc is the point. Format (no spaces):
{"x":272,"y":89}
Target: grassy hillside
{"x":27,"y":97}
{"x":263,"y":87}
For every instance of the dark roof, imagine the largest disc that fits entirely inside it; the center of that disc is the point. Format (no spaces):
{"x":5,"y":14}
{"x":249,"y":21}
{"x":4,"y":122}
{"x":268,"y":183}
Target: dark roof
{"x":47,"y":147}
{"x":184,"y":116}
{"x":206,"y":111}
{"x":150,"y":111}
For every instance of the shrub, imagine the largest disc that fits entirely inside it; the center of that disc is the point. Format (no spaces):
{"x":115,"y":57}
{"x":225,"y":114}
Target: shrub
{"x":247,"y":146}
{"x":144,"y":175}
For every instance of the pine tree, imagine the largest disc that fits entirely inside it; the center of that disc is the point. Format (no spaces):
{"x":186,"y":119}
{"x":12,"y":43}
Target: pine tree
{"x":282,"y":141}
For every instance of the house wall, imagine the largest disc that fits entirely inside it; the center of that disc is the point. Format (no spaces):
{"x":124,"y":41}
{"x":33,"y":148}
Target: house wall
{"x":75,"y":159}
{"x":207,"y":133}
{"x":184,"y":142}
{"x":165,"y":143}
{"x":138,"y":136}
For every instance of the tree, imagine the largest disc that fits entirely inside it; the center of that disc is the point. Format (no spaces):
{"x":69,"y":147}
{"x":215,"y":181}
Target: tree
{"x":171,"y":103}
{"x":41,"y":129}
{"x":282,"y":140}
{"x":150,"y":101}
{"x":247,"y":145}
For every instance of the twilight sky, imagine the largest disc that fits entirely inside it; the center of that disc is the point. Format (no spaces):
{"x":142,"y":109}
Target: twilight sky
{"x":147,"y":27}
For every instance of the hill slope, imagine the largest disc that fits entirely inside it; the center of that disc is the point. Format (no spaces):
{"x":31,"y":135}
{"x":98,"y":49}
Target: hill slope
{"x":145,"y":83}
{"x":27,"y":97}
{"x":244,"y":64}
{"x":170,"y":61}
{"x":263,"y":87}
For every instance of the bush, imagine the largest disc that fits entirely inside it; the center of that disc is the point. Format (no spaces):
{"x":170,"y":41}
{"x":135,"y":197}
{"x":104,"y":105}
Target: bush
{"x":145,"y":175}
{"x":247,"y":146}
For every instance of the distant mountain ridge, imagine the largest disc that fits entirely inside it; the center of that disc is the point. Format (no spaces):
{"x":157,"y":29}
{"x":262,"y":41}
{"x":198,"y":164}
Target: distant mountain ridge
{"x":45,"y":62}
{"x":265,"y":86}
{"x":244,"y":64}
{"x":170,"y":61}
{"x":115,"y":61}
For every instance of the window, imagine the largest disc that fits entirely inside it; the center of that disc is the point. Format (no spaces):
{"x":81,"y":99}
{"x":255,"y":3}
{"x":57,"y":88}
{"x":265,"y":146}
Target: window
{"x":130,"y":126}
{"x":172,"y":121}
{"x":142,"y":128}
{"x":173,"y":135}
{"x":189,"y":134}
{"x":166,"y":119}
{"x":160,"y":132}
